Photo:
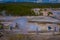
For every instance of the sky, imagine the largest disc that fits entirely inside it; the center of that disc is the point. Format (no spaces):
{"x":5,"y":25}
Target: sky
{"x":38,"y":1}
{"x":19,"y":0}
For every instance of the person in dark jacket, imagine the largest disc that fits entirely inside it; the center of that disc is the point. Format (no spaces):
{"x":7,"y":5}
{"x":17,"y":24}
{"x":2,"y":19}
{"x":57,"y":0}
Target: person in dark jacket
{"x":49,"y":28}
{"x":1,"y":29}
{"x":1,"y":26}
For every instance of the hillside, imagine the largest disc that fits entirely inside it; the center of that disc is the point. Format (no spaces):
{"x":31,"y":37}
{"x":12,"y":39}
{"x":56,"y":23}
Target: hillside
{"x":23,"y":9}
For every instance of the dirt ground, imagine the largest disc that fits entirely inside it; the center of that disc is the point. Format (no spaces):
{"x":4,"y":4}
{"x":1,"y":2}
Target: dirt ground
{"x":12,"y":36}
{"x":8,"y":36}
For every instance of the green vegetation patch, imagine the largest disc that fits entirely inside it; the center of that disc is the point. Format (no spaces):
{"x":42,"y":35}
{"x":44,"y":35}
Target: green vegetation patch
{"x":24,"y":9}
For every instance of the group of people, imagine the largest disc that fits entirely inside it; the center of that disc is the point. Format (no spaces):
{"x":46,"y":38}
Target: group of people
{"x":55,"y":28}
